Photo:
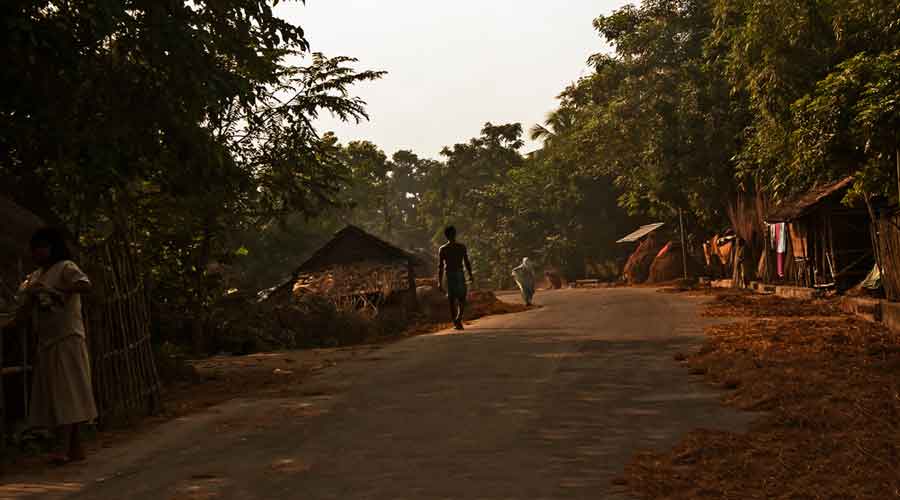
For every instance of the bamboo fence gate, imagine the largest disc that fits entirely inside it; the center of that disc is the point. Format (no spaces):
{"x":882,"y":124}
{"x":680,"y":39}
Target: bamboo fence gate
{"x":126,"y":383}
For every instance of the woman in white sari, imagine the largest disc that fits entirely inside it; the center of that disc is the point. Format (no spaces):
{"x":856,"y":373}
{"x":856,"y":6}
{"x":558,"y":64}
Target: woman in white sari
{"x":524,"y":276}
{"x":62,"y":395}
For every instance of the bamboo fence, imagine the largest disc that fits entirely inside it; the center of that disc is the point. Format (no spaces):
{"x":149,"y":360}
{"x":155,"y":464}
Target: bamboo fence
{"x":126,"y":382}
{"x":887,"y":235}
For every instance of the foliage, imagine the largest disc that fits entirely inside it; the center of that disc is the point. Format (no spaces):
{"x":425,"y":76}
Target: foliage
{"x":802,"y":66}
{"x":669,"y":126}
{"x":193,"y":123}
{"x":849,"y":124}
{"x":184,"y":121}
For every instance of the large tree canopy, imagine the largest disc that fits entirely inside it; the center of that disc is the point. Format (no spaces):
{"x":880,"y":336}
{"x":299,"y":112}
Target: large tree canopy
{"x":194,"y":121}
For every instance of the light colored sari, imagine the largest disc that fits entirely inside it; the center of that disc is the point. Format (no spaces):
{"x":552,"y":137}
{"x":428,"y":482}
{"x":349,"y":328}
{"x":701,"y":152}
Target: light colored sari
{"x":524,"y":276}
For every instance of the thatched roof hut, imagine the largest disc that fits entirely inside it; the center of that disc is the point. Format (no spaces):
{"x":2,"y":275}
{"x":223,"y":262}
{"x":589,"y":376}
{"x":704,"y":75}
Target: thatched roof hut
{"x":352,"y":245}
{"x":802,"y":205}
{"x":353,"y":265}
{"x":355,"y":262}
{"x":827,"y":244}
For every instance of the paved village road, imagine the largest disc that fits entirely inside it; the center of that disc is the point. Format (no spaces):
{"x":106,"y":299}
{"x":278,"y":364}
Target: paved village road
{"x":550,"y":403}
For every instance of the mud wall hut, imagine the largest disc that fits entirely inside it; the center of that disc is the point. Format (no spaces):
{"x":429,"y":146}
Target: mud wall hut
{"x":822,"y":243}
{"x":360,"y":268}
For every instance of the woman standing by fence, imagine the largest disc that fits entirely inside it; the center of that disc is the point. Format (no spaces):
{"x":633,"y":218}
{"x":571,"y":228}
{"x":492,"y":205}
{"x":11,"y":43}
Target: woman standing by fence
{"x":62,"y":395}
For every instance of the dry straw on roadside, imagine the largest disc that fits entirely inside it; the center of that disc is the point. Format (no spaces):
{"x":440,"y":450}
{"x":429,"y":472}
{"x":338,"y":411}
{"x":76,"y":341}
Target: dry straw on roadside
{"x":828,"y":389}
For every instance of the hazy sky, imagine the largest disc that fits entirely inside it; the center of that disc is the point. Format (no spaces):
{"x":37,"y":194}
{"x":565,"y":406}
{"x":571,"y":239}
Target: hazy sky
{"x":452,"y":65}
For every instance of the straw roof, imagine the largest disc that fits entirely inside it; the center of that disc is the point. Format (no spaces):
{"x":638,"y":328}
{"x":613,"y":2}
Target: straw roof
{"x":807,"y":202}
{"x":352,"y":245}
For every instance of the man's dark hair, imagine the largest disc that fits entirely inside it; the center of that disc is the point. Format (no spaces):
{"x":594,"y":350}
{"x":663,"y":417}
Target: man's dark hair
{"x":450,"y":232}
{"x":54,"y":239}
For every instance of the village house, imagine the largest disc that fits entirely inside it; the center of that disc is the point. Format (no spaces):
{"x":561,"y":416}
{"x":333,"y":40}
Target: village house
{"x":816,"y":241}
{"x":359,"y":268}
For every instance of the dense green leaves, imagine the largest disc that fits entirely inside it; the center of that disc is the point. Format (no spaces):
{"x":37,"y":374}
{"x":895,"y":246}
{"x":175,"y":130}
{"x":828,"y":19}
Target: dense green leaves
{"x":194,"y":122}
{"x":802,"y":66}
{"x":703,"y":100}
{"x":186,"y":121}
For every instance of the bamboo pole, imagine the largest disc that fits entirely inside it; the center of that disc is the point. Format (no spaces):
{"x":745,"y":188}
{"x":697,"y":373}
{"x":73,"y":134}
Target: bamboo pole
{"x":141,"y":328}
{"x":23,"y":337}
{"x":126,"y":381}
{"x":132,"y":337}
{"x":683,"y":248}
{"x":2,"y":401}
{"x":118,"y":375}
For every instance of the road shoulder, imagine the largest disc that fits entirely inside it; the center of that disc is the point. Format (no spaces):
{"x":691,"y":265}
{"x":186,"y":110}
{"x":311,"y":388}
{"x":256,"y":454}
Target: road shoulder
{"x":824,"y":387}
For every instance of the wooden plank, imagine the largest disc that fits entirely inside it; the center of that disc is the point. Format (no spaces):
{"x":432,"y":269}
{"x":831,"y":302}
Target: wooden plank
{"x":13,"y":370}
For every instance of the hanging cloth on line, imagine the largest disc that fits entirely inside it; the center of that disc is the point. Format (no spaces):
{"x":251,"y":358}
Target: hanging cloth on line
{"x":782,"y":237}
{"x":780,"y":233}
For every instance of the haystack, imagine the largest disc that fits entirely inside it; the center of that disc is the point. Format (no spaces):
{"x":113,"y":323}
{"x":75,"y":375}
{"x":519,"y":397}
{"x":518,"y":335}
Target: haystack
{"x":668,"y":265}
{"x":637,"y":268}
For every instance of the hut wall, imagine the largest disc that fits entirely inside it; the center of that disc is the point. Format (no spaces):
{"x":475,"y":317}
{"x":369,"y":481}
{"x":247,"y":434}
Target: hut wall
{"x":887,"y":230}
{"x":852,"y":247}
{"x":828,"y":246}
{"x":359,"y":278}
{"x":365,"y":284}
{"x":806,"y":262}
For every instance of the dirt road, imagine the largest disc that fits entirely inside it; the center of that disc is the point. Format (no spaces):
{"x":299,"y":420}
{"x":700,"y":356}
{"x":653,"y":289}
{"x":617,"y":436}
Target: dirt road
{"x":545,"y":404}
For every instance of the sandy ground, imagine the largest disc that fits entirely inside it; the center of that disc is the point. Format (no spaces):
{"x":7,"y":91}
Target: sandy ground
{"x":549,"y":403}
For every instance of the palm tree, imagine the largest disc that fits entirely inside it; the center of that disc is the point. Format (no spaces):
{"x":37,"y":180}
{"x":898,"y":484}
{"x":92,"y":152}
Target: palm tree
{"x":558,"y":122}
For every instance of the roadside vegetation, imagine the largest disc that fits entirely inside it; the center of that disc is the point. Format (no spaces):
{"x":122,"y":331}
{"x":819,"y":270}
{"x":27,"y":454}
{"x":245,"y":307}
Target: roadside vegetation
{"x":158,"y":118}
{"x":190,"y":128}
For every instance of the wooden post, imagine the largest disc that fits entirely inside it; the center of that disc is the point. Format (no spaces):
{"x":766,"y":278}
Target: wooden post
{"x":683,"y":248}
{"x":3,"y":323}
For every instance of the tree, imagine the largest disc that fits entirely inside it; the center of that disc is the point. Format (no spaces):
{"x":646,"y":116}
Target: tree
{"x":182,"y":120}
{"x":803,"y":65}
{"x":558,"y":122}
{"x":658,"y":116}
{"x":849,"y":125}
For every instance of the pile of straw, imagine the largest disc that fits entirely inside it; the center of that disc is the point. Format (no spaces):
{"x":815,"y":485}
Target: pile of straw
{"x":637,"y":268}
{"x":829,"y":387}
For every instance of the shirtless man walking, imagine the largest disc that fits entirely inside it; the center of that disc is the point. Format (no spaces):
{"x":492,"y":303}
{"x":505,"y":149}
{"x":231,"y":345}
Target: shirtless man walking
{"x":452,"y":256}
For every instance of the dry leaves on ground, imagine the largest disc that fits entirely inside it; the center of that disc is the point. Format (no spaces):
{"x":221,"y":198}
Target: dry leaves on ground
{"x":762,"y":306}
{"x":828,"y":389}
